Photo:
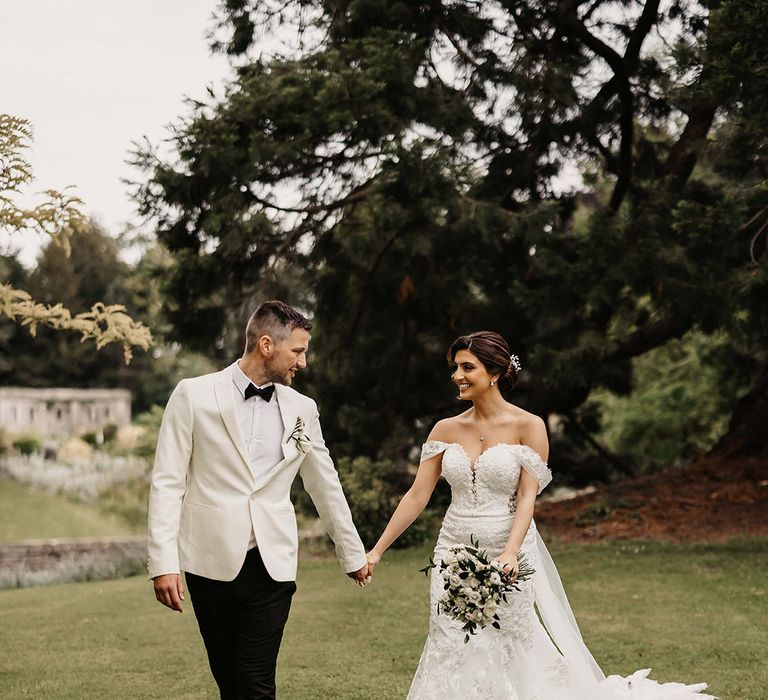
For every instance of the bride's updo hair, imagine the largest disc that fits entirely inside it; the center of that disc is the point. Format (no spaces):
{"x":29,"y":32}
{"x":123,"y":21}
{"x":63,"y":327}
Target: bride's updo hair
{"x":493,"y":351}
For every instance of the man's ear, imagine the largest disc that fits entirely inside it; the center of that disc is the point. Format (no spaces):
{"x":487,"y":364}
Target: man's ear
{"x":266,"y":345}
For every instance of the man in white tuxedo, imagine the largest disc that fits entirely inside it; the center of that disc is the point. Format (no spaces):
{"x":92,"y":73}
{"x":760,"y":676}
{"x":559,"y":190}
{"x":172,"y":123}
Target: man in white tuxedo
{"x":230,"y":445}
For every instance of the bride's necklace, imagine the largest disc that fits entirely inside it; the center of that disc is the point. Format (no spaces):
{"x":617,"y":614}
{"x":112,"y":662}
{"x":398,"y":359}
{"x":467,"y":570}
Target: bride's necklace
{"x":483,"y":433}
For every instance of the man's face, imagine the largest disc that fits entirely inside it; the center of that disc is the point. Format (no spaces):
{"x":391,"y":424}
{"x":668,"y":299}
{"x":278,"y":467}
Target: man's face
{"x":288,"y":357}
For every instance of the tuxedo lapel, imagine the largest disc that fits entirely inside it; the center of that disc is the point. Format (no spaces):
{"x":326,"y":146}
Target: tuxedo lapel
{"x":288,"y":414}
{"x":226,"y":404}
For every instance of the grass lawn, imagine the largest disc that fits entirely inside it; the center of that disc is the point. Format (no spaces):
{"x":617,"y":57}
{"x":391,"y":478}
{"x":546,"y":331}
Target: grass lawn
{"x":692,"y":612}
{"x":27,"y":513}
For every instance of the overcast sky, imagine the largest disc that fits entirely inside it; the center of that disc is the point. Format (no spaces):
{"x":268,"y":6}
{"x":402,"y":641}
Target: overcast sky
{"x":94,"y":75}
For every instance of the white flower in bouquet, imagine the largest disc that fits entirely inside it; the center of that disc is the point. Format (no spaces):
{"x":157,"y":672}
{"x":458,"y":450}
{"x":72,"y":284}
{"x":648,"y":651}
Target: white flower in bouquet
{"x":475,"y":586}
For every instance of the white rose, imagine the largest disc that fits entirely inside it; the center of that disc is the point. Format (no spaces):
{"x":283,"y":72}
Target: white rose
{"x":455,"y":581}
{"x":495,"y":579}
{"x":490,"y":608}
{"x":473,"y":582}
{"x":466,"y":591}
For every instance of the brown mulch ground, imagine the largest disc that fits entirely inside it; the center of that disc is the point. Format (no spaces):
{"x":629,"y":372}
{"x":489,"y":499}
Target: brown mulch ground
{"x":706,"y":501}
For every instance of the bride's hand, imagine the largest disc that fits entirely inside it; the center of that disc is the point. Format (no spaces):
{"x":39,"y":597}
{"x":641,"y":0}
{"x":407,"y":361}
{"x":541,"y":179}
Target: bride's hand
{"x":373,"y":558}
{"x":510,"y":563}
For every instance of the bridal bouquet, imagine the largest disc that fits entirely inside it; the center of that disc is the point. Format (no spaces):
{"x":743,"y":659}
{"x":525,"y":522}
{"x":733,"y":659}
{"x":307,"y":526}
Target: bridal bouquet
{"x":475,"y":586}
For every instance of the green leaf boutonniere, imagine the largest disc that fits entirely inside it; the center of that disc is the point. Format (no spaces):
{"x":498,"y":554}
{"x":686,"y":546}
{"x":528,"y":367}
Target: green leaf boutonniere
{"x":297,"y":435}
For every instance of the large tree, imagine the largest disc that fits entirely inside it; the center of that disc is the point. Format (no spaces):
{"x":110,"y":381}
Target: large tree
{"x":587,"y":178}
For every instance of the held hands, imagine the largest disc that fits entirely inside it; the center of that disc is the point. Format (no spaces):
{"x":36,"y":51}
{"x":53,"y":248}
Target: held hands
{"x":169,"y":590}
{"x":361,"y":576}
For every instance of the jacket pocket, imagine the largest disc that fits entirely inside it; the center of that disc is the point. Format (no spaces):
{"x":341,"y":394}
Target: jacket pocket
{"x":195,"y":504}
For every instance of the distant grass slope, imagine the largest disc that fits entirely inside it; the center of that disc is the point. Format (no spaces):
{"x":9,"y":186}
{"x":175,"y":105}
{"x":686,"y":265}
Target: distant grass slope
{"x":692,"y":612}
{"x":27,"y":513}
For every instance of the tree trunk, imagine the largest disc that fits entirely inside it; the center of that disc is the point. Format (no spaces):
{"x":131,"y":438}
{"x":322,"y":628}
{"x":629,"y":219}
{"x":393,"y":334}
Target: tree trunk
{"x":747,"y":434}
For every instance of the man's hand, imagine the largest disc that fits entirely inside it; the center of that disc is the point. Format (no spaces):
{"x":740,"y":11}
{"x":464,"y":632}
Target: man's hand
{"x":361,"y":576}
{"x":169,"y":590}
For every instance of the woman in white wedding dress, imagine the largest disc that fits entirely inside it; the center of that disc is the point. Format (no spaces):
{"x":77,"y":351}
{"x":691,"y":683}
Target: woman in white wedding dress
{"x":494,"y":458}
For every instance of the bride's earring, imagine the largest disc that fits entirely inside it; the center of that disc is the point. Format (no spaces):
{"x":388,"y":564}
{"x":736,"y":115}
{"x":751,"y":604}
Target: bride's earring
{"x":493,"y":381}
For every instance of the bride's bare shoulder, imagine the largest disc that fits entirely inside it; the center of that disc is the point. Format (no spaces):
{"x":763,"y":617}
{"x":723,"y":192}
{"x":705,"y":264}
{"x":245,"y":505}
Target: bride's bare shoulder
{"x":532,"y":431}
{"x":531,"y":422}
{"x":445,"y":430}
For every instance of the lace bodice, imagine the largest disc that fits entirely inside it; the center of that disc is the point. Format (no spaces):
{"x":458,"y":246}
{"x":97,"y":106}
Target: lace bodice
{"x":489,"y":484}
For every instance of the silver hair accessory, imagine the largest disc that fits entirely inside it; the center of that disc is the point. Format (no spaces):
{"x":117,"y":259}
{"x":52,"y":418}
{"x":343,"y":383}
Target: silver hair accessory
{"x":514,"y":361}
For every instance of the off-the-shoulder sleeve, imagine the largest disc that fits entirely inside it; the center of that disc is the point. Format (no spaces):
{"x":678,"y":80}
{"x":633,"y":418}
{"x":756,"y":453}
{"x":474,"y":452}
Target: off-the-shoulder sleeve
{"x":431,"y":448}
{"x":533,"y":464}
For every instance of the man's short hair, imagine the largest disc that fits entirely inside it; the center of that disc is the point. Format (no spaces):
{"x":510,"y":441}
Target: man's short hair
{"x":275,"y":319}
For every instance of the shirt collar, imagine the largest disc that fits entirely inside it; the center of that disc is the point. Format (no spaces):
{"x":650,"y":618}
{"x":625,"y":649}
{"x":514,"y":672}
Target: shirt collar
{"x":241,"y":379}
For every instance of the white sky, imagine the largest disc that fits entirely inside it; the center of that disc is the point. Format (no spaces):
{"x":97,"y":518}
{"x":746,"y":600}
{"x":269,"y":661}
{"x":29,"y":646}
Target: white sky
{"x":92,"y":76}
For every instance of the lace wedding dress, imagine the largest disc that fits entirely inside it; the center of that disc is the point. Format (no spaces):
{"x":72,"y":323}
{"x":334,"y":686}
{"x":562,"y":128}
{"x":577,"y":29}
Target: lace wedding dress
{"x":534,"y":656}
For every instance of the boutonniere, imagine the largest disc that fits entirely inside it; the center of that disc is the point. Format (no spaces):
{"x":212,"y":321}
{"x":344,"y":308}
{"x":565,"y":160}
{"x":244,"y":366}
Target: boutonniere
{"x":297,"y":435}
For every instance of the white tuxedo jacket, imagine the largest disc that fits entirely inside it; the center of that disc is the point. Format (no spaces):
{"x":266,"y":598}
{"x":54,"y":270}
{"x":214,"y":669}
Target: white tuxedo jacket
{"x":204,"y":499}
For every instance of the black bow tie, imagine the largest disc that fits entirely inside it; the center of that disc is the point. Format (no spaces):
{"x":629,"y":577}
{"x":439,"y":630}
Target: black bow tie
{"x":265,"y":392}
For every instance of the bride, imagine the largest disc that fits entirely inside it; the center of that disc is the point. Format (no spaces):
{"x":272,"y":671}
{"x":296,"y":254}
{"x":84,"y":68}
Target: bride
{"x":494,"y":457}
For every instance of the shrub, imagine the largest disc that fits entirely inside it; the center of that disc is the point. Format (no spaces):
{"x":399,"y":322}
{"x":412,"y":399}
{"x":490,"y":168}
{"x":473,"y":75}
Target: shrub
{"x":90,"y":437}
{"x":150,"y":422}
{"x":74,"y":450}
{"x":374,"y":489}
{"x":109,"y":431}
{"x":28,"y":443}
{"x":5,"y":442}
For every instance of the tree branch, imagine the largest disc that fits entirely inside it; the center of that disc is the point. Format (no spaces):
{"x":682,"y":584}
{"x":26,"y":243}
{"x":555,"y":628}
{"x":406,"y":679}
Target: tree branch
{"x":650,"y":336}
{"x":684,"y":154}
{"x":356,"y":195}
{"x":622,"y":67}
{"x":603,"y":451}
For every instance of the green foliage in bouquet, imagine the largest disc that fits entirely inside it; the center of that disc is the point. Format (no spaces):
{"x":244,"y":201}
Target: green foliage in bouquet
{"x":475,"y":586}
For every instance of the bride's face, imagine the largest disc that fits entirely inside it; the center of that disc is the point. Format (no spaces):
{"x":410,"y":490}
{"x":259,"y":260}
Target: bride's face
{"x":470,"y":375}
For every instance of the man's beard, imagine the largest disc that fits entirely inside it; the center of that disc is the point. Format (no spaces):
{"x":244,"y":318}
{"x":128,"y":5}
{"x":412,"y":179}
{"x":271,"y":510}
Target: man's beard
{"x":274,"y":376}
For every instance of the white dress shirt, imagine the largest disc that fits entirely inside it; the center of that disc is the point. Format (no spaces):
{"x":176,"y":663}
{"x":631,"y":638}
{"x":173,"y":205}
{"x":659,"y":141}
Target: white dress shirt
{"x":261,"y":427}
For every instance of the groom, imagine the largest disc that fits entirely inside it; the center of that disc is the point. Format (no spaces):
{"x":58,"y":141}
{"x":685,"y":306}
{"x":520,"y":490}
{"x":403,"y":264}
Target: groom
{"x":229,"y":448}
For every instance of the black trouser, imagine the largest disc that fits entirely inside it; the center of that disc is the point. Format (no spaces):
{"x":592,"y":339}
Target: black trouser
{"x":241,"y":622}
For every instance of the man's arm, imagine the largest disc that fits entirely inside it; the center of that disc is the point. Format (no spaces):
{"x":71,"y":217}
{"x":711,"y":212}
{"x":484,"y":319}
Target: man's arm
{"x":322,"y":483}
{"x":167,"y":486}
